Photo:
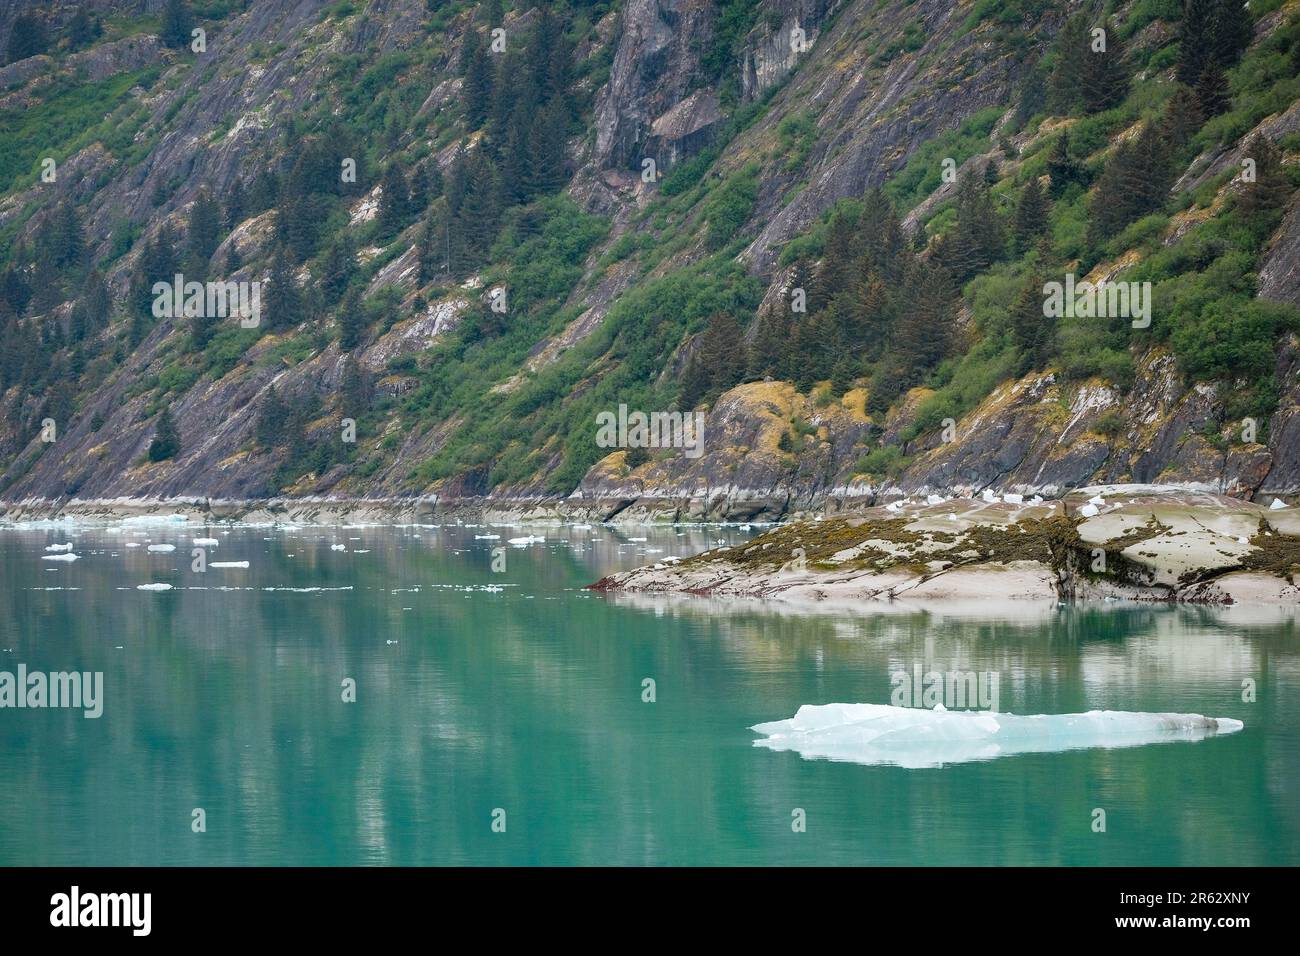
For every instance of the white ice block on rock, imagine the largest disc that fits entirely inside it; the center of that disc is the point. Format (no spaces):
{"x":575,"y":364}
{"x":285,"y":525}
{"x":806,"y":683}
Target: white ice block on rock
{"x":915,"y":738}
{"x":1090,"y":510}
{"x":1277,"y":505}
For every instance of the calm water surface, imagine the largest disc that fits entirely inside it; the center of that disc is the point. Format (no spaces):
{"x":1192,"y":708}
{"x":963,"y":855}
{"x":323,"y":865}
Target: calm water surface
{"x":520,"y":690}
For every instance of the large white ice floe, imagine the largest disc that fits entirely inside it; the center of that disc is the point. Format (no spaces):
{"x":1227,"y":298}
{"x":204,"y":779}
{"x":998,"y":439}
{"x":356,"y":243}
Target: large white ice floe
{"x":59,"y":557}
{"x":915,"y":738}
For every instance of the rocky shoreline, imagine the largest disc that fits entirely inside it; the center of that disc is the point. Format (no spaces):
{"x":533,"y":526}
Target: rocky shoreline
{"x":1101,"y":544}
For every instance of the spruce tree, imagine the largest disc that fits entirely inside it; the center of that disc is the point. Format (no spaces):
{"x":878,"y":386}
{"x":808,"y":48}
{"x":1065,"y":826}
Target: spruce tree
{"x":352,"y":320}
{"x":1271,"y":187}
{"x":1061,"y":167}
{"x":338,"y":269}
{"x":1030,"y":219}
{"x":1030,"y":329}
{"x":394,"y":201}
{"x":1212,"y":96}
{"x":355,"y":389}
{"x":177,"y":23}
{"x":234,"y":211}
{"x":272,"y":415}
{"x":283,"y":307}
{"x":205,"y":231}
{"x":166,"y":441}
{"x":1103,"y":80}
{"x":26,"y":38}
{"x":476,"y":93}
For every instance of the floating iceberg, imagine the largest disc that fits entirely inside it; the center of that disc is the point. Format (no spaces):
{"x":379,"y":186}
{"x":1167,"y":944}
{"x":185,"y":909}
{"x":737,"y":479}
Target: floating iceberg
{"x":153,"y":587}
{"x":530,"y":539}
{"x":875,"y":734}
{"x":59,"y":557}
{"x":59,"y":547}
{"x":162,"y":548}
{"x":228,"y":564}
{"x":338,"y":547}
{"x":206,"y":542}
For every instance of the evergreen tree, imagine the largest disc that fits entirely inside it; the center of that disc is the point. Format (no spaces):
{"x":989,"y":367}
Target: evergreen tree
{"x":1030,"y":219}
{"x":177,"y":23}
{"x":1071,"y":50}
{"x":1181,"y":119}
{"x":283,"y":297}
{"x":477,"y":90}
{"x":1030,"y":329}
{"x":338,"y":270}
{"x":235,"y":202}
{"x":83,"y":29}
{"x":26,"y":38}
{"x":166,"y":440}
{"x":72,"y":240}
{"x":1271,"y":187}
{"x":1134,"y":183}
{"x":1061,"y":167}
{"x":205,"y":230}
{"x":1103,"y":80}
{"x":272,"y":417}
{"x":394,"y":201}
{"x":352,"y":320}
{"x":1212,"y":97}
{"x":355,"y":389}
{"x":545,"y":154}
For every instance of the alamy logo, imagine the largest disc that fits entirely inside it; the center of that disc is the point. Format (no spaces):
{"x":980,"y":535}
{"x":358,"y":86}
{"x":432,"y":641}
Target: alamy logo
{"x":955,"y":690}
{"x":76,"y":690}
{"x":683,"y":430}
{"x":212,"y":300}
{"x":1098,"y":300}
{"x":102,"y":909}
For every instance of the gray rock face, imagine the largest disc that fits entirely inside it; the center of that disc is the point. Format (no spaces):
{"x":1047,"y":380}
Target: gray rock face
{"x":657,"y":56}
{"x":1279,"y":276}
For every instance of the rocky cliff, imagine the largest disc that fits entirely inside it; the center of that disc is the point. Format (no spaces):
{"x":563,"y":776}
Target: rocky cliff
{"x":814,"y":102}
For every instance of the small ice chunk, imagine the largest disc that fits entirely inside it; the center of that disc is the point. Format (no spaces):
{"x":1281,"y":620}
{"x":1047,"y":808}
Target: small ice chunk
{"x":637,"y":540}
{"x":59,"y":557}
{"x":990,"y":497}
{"x":1277,"y":505}
{"x":162,"y":548}
{"x":59,"y":547}
{"x":487,"y":537}
{"x":1097,"y":500}
{"x":935,"y":499}
{"x":153,"y":587}
{"x":338,"y":547}
{"x":206,"y":542}
{"x":893,"y":506}
{"x":1090,"y":510}
{"x":133,"y":544}
{"x":228,"y":564}
{"x":1036,"y":500}
{"x":1013,"y":499}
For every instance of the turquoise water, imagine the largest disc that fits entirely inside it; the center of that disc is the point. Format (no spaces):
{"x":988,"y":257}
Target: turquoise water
{"x":518,"y":690}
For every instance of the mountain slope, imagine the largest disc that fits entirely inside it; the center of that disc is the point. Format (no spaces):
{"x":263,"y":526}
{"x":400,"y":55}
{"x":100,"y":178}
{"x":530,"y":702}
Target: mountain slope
{"x":519,"y":177}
